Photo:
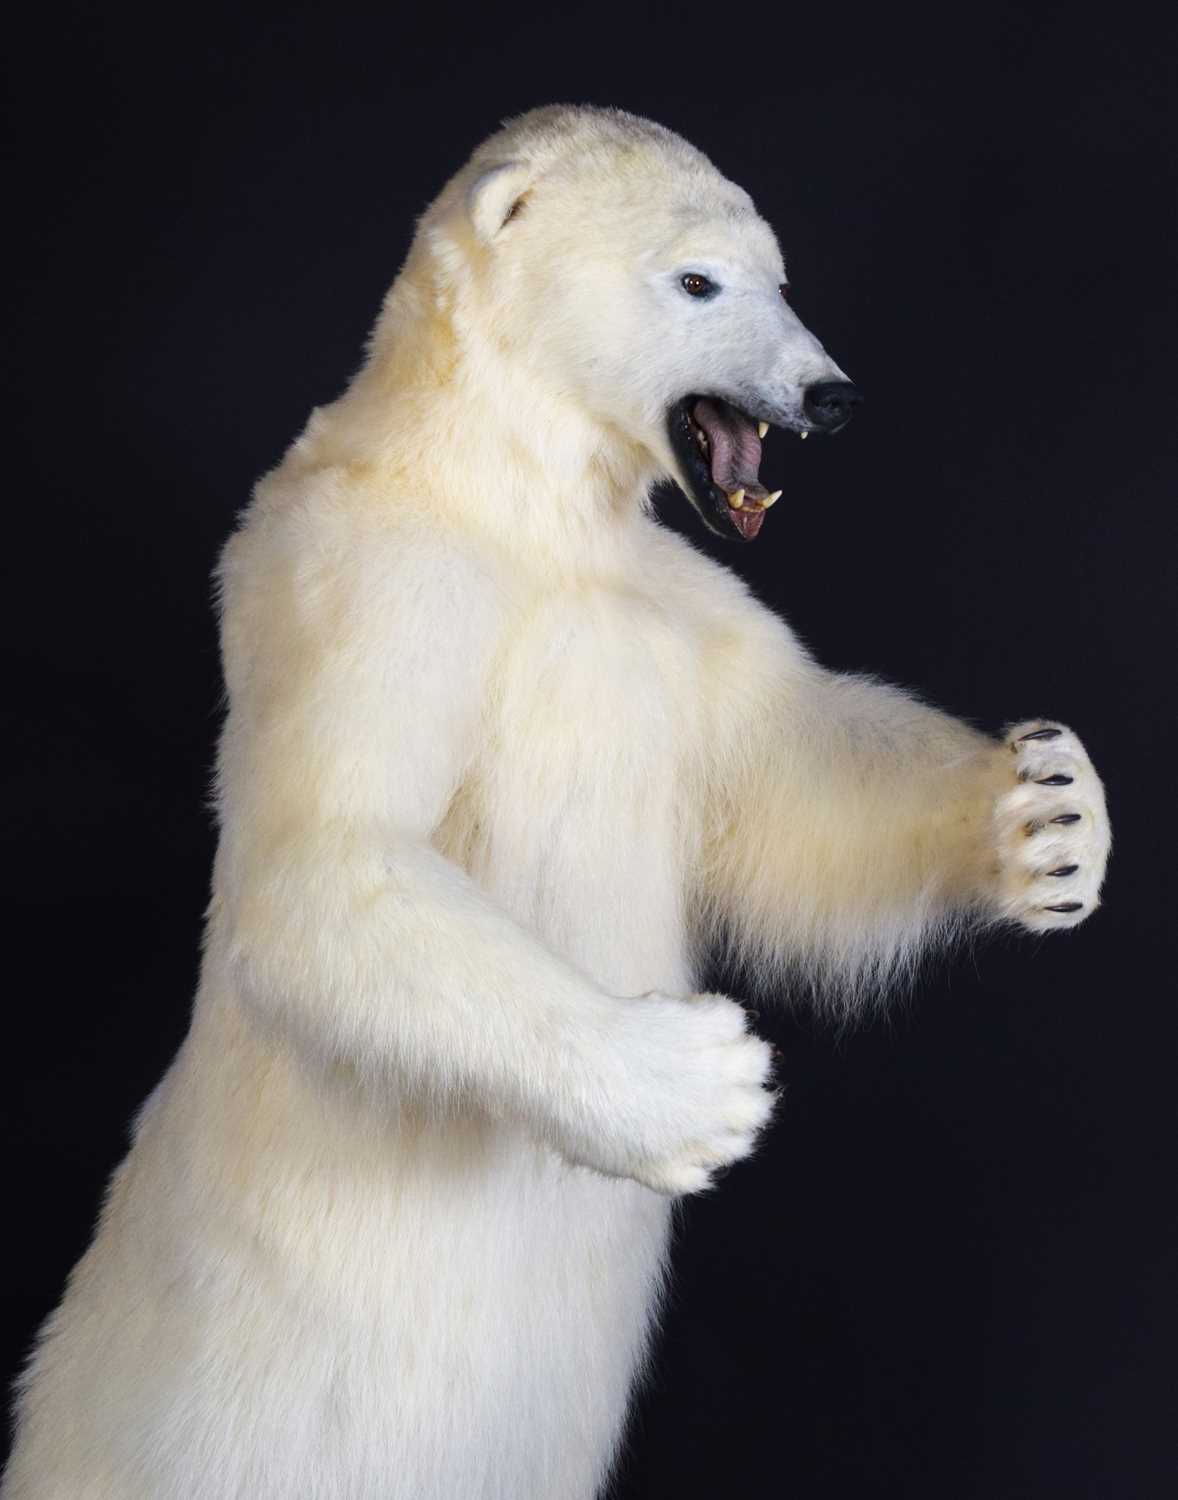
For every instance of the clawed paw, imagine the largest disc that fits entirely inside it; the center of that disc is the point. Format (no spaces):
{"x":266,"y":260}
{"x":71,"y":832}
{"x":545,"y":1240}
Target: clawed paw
{"x":1052,"y":830}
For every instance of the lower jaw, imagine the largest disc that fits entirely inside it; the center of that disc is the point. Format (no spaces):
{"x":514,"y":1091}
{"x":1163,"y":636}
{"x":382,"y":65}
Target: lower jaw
{"x":747,"y":521}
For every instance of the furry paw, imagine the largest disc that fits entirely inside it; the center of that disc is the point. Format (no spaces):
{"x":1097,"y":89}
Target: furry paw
{"x":1052,"y":829}
{"x":688,"y":1099}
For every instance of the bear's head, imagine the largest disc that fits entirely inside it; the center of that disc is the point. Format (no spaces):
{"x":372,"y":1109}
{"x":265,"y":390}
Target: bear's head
{"x":631,"y":277}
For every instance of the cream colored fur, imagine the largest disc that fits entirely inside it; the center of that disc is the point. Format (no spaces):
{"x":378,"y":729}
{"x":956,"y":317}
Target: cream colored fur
{"x":502,"y":758}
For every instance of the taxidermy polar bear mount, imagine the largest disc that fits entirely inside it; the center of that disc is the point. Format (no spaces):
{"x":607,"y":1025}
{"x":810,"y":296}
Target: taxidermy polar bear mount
{"x":503,"y":758}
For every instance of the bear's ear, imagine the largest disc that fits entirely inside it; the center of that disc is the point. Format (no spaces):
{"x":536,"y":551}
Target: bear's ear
{"x":495,"y":196}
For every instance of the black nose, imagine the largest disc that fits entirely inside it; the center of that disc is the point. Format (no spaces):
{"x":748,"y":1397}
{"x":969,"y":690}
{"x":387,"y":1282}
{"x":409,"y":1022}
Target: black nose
{"x":830,"y":403}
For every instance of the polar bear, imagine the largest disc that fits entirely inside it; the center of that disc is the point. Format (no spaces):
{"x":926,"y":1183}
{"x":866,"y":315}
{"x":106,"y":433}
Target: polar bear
{"x":503,"y":757}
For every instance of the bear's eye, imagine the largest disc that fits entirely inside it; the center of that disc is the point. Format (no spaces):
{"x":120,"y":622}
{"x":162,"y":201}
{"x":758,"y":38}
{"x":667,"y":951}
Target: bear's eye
{"x":784,"y":290}
{"x":697,"y":286}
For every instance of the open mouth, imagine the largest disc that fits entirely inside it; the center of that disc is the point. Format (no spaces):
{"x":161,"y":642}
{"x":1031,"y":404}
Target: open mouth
{"x":719,"y":451}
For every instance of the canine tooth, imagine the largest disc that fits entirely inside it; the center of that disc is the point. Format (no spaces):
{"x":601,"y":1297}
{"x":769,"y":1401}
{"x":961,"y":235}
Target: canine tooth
{"x":762,"y":429}
{"x":803,"y":435}
{"x":736,"y":499}
{"x":772,"y":499}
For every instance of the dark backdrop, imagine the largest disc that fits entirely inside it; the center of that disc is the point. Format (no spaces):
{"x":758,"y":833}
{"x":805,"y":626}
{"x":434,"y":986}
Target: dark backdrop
{"x":950,"y":1271}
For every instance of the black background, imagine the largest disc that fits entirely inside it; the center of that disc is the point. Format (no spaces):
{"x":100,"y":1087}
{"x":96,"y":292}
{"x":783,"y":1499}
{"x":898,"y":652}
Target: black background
{"x":950,"y":1271}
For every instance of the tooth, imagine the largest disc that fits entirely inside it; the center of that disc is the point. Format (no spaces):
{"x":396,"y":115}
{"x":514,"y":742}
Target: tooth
{"x":736,"y":499}
{"x":772,"y":499}
{"x":803,"y":435}
{"x":762,"y":429}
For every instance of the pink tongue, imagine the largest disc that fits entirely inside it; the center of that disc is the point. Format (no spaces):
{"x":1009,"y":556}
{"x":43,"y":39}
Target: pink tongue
{"x":733,"y":447}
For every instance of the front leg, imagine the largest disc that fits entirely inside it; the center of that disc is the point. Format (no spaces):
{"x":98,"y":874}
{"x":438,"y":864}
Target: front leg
{"x":1051,"y":830}
{"x":854,"y":826}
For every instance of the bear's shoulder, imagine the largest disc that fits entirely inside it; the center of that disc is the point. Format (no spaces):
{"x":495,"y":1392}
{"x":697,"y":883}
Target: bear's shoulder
{"x":313,"y":574}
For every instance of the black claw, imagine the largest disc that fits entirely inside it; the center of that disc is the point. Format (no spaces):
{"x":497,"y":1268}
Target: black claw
{"x":1040,"y":734}
{"x":1064,"y":870}
{"x":1065,"y":906}
{"x":1067,"y":818}
{"x":1059,"y":779}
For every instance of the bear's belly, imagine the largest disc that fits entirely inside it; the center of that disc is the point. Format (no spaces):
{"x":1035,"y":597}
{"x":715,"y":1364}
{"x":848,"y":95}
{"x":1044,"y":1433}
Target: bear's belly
{"x":578,"y":816}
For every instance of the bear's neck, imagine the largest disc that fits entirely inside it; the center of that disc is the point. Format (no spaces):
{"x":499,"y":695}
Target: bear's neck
{"x":440,"y":419}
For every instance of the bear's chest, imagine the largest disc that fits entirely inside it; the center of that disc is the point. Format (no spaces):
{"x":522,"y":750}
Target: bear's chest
{"x":605,"y":680}
{"x":578,"y":810}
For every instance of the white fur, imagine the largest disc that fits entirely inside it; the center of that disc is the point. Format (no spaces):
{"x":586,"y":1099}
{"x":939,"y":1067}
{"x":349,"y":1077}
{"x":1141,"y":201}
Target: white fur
{"x":502,"y":758}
